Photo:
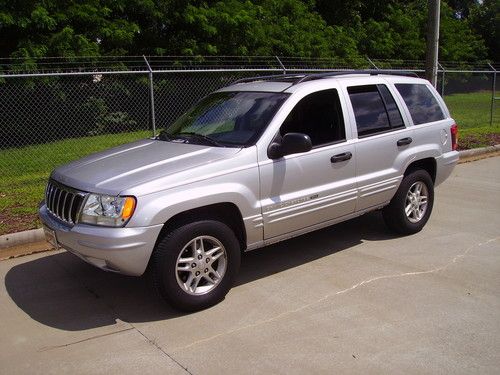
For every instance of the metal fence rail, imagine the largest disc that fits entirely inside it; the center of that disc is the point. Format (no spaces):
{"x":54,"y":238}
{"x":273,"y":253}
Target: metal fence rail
{"x":56,"y":110}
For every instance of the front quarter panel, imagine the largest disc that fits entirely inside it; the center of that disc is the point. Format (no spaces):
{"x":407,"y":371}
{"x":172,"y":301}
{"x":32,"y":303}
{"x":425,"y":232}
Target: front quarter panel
{"x":234,"y":180}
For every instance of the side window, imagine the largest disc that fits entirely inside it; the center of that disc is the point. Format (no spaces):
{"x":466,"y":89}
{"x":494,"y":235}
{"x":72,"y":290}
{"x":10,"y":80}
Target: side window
{"x":392,"y":109}
{"x":375,"y":109}
{"x":421,"y":103}
{"x":318,"y":115}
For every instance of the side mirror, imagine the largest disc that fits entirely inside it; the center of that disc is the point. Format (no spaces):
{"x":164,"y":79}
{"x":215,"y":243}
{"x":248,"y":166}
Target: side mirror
{"x":292,"y":143}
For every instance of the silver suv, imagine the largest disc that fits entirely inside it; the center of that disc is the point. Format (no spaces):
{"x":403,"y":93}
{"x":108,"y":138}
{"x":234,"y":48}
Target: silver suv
{"x":254,"y":163}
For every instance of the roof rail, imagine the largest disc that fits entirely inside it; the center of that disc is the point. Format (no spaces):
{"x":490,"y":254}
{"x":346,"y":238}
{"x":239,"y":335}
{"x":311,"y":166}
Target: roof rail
{"x":273,"y":77}
{"x":295,"y":79}
{"x":312,"y":77}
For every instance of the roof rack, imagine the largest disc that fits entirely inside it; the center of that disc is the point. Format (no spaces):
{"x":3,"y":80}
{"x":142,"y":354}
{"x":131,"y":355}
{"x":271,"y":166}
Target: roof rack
{"x":274,"y":77}
{"x":295,"y":79}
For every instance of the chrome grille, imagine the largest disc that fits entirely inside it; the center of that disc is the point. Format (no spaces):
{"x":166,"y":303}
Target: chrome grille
{"x":63,"y":202}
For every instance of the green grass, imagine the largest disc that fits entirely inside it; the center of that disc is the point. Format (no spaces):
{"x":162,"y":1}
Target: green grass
{"x":478,"y":137}
{"x":472,"y":111}
{"x":24,"y":172}
{"x":472,"y":114}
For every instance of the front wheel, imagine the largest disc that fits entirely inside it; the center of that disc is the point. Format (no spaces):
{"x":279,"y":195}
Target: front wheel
{"x":194,"y":266}
{"x":411,"y":207}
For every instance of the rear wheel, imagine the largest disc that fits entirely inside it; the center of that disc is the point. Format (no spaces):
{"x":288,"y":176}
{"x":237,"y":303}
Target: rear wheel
{"x":411,"y":207}
{"x":194,"y":266}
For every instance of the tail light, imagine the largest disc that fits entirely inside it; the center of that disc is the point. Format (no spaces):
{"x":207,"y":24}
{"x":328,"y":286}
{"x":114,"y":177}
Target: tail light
{"x":454,"y":137}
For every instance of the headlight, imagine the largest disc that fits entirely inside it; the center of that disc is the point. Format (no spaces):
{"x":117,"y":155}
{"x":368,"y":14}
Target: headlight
{"x":107,"y":210}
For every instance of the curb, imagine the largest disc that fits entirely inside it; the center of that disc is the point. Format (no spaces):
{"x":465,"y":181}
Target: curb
{"x":21,"y":238}
{"x":37,"y":236}
{"x":478,"y":151}
{"x":25,"y":249}
{"x":18,"y":244}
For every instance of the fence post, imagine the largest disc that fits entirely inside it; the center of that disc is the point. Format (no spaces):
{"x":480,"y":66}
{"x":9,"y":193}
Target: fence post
{"x":281,"y":64}
{"x":151,"y":97}
{"x":442,"y":78}
{"x":493,"y":93}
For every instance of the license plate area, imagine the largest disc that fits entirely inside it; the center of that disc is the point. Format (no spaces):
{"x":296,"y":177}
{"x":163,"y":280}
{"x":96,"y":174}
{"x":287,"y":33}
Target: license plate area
{"x":50,"y":237}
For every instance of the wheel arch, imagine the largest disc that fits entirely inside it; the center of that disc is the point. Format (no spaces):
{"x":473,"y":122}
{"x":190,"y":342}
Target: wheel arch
{"x":225,"y":212}
{"x":427,"y":164}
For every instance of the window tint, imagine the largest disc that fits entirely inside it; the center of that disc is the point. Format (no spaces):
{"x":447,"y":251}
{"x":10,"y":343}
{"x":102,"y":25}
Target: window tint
{"x":369,"y":110}
{"x":318,"y":115}
{"x":395,"y":118}
{"x":422,"y":105}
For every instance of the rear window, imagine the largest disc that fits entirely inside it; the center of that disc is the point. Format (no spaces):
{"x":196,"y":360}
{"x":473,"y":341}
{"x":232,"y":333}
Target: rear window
{"x":421,"y":103}
{"x":375,"y":109}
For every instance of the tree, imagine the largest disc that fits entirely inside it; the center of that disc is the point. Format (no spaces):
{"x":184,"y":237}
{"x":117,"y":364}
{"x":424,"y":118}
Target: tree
{"x":265,"y":27}
{"x":64,"y":28}
{"x":398,"y":35}
{"x":485,"y":20}
{"x":458,"y":42}
{"x":303,"y":28}
{"x":461,"y":8}
{"x":397,"y":30}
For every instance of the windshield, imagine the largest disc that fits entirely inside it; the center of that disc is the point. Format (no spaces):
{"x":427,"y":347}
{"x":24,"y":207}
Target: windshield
{"x":226,"y":119}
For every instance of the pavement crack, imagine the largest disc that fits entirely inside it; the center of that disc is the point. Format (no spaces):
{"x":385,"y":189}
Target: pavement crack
{"x":343,"y":291}
{"x":113,"y":314}
{"x":46,"y":348}
{"x":155,"y":344}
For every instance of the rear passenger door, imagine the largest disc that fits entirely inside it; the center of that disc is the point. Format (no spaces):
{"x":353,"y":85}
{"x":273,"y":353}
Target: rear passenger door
{"x":383,"y":143}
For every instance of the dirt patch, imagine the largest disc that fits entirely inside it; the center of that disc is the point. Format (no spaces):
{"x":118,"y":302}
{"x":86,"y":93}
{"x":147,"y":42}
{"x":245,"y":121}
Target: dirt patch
{"x":478,"y":140}
{"x":15,"y":222}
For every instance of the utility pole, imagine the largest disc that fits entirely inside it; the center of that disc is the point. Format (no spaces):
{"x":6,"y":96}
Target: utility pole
{"x":431,"y":56}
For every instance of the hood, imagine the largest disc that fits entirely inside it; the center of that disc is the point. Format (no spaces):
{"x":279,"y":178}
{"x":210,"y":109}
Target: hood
{"x":120,"y":168}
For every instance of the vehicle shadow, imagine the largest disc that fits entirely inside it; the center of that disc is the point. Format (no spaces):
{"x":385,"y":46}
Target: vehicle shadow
{"x":63,"y":292}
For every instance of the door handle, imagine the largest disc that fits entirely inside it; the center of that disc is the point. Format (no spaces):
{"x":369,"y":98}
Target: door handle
{"x":404,"y":141}
{"x":341,"y":157}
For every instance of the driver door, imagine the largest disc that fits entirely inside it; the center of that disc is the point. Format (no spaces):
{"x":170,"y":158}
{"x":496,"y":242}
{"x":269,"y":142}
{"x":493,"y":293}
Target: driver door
{"x":306,"y":189}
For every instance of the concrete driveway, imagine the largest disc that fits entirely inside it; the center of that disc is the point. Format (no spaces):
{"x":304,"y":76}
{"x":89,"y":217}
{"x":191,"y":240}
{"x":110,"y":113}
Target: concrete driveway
{"x":351,"y":298}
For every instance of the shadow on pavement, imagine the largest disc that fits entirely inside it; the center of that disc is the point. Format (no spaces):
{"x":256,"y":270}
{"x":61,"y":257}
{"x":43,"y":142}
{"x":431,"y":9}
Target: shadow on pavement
{"x":63,"y":292}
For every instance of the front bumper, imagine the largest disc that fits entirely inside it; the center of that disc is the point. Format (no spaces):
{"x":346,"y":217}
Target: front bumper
{"x":123,"y":250}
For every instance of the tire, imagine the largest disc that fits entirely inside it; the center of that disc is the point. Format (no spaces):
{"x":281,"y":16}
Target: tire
{"x":180,"y":264}
{"x":395,"y":215}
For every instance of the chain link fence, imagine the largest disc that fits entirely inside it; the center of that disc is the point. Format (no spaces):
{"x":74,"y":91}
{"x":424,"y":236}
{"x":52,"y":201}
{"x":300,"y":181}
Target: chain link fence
{"x":470,"y":96}
{"x":53,"y":111}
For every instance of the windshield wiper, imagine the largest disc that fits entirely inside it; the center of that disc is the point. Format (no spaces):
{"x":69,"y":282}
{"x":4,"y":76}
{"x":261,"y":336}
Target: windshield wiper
{"x":201,"y":137}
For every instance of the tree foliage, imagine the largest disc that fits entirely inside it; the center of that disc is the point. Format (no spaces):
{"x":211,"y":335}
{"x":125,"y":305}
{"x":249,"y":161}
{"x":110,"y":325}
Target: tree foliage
{"x":485,"y":20}
{"x":303,"y":28}
{"x":266,"y":27}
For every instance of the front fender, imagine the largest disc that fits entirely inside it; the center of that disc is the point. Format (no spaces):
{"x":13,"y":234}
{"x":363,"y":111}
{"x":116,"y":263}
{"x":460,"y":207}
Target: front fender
{"x":158,"y":208}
